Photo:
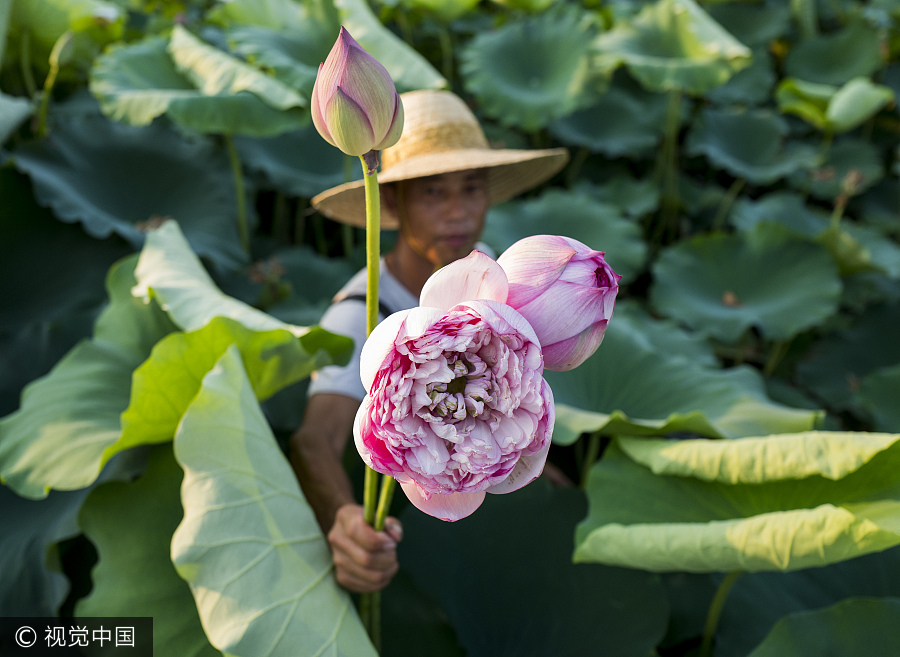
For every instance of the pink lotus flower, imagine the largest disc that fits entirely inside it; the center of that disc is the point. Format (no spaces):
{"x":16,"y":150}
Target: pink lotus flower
{"x":567,"y":293}
{"x":355,"y":105}
{"x":457,"y":405}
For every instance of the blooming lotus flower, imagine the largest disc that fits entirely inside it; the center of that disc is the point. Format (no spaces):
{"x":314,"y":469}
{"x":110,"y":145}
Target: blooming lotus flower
{"x":355,"y":105}
{"x":457,"y":405}
{"x":566,"y":291}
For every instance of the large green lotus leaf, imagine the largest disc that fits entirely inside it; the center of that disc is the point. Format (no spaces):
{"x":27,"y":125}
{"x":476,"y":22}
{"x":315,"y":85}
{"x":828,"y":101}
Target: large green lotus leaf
{"x":248,"y":535}
{"x":836,"y":58}
{"x":13,"y":112}
{"x":291,"y":57}
{"x":856,"y":626}
{"x":621,"y":123}
{"x":574,"y":215}
{"x":722,"y":285}
{"x":880,"y":395}
{"x":808,"y":100}
{"x":67,"y":417}
{"x":533,"y":71}
{"x":753,"y":24}
{"x":757,"y":460}
{"x":786,"y":209}
{"x":673,"y":45}
{"x":490,"y":551}
{"x":117,"y":179}
{"x":626,"y":387}
{"x":135,"y":83}
{"x":749,"y":144}
{"x":883,"y":252}
{"x":299,"y":163}
{"x":663,"y":335}
{"x":759,"y":600}
{"x":632,"y":197}
{"x":215,"y":72}
{"x":134,"y":575}
{"x":837,"y":364}
{"x":667,"y":522}
{"x":750,"y":86}
{"x":848,"y":160}
{"x":409,"y":69}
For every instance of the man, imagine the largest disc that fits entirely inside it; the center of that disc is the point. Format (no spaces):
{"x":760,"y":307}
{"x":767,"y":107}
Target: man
{"x":437,"y":184}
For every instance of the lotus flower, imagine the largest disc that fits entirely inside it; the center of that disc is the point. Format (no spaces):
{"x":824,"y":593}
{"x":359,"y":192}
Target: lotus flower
{"x":354,"y":104}
{"x":567,"y":293}
{"x":457,"y":405}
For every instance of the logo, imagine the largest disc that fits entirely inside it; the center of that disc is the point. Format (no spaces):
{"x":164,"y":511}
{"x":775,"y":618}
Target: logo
{"x":26,"y":636}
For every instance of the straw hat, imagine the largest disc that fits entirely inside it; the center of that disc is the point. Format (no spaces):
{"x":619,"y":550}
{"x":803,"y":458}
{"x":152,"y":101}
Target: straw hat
{"x":441,"y":135}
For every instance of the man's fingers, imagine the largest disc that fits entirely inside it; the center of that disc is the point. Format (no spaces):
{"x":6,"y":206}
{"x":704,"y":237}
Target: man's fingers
{"x":394,"y":529}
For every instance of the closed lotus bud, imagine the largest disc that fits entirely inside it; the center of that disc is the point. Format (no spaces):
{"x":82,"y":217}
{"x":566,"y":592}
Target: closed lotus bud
{"x":566,"y":291}
{"x":355,"y":105}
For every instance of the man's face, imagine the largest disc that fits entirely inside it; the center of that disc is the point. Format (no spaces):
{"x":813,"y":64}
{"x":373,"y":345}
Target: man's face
{"x":444,"y":214}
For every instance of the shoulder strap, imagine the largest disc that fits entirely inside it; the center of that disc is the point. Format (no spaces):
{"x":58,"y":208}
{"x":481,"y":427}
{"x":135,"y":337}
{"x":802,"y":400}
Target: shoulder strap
{"x":384,"y":310}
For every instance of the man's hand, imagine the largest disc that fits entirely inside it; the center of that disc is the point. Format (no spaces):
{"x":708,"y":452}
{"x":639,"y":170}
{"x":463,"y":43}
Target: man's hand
{"x":365,"y":560}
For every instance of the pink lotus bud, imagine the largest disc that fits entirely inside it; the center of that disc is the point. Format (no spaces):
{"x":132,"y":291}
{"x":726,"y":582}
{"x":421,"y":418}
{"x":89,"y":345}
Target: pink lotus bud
{"x":566,"y":291}
{"x":355,"y":105}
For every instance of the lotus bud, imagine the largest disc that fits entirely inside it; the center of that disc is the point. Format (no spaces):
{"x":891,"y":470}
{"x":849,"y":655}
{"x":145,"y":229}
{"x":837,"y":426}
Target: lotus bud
{"x":355,"y":105}
{"x":567,"y":293}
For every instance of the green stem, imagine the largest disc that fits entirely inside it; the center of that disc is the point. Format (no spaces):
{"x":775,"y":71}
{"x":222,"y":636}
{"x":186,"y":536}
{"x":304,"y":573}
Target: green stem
{"x":779,"y":349}
{"x":668,"y":171}
{"x":578,"y":160}
{"x":238,"y":175}
{"x":25,"y":64}
{"x":727,"y":202}
{"x":593,"y":449}
{"x":384,"y":500}
{"x":715,"y":611}
{"x":446,"y":53}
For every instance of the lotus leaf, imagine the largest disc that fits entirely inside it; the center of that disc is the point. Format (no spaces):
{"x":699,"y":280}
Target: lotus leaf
{"x":135,"y":83}
{"x":216,"y":73}
{"x":852,"y":167}
{"x":530,"y":72}
{"x":527,"y":5}
{"x":629,"y":387}
{"x":722,"y":285}
{"x":750,"y":86}
{"x":118,"y":179}
{"x":454,"y":560}
{"x":836,"y":58}
{"x":856,"y":626}
{"x":620,"y":123}
{"x":134,"y":575}
{"x":880,"y":397}
{"x":13,"y":112}
{"x":748,"y":144}
{"x":683,"y":522}
{"x":290,"y":57}
{"x":445,"y":10}
{"x":276,"y":570}
{"x":786,"y":209}
{"x":759,"y":600}
{"x":837,"y":365}
{"x":271,"y":14}
{"x":578,"y":216}
{"x":831,"y":108}
{"x":299,"y":163}
{"x":663,"y":335}
{"x":673,"y":45}
{"x":632,"y":197}
{"x":753,"y":24}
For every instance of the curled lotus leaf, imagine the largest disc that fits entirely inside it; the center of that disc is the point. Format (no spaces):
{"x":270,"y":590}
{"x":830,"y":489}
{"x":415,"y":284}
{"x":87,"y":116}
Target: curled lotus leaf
{"x":722,"y":285}
{"x":835,"y":109}
{"x":575,"y":215}
{"x":749,"y":144}
{"x":673,"y":45}
{"x":878,"y":395}
{"x":530,"y":72}
{"x":751,"y":505}
{"x":120,"y":179}
{"x":837,"y":58}
{"x":137,"y":82}
{"x":622,"y":122}
{"x":638,"y":384}
{"x":851,"y":167}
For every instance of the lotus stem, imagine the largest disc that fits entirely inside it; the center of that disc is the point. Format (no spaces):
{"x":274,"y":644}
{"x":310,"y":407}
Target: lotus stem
{"x":715,"y":611}
{"x":56,"y":57}
{"x":384,"y":500}
{"x":727,"y":201}
{"x":667,"y":173}
{"x":590,"y":457}
{"x":25,"y":64}
{"x":779,"y":349}
{"x":804,"y":12}
{"x":446,"y":53}
{"x":238,"y":175}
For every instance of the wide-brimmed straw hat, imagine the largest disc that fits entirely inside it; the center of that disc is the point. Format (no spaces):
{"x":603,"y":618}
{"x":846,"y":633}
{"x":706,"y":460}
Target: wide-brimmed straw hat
{"x":441,"y":135}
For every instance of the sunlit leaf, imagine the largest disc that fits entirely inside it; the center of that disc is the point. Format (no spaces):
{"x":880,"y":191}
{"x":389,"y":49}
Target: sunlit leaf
{"x":119,"y":179}
{"x":749,"y":144}
{"x":835,"y":109}
{"x":836,"y":58}
{"x":838,"y":506}
{"x":530,"y":72}
{"x":272,"y":14}
{"x":722,"y":285}
{"x":629,"y":387}
{"x":134,"y":575}
{"x":855,"y":626}
{"x":291,"y":57}
{"x":673,"y":45}
{"x":276,"y":570}
{"x":578,"y":216}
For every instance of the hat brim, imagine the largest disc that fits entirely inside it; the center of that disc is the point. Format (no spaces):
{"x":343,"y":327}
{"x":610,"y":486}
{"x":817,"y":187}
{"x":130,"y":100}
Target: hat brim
{"x":510,"y":172}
